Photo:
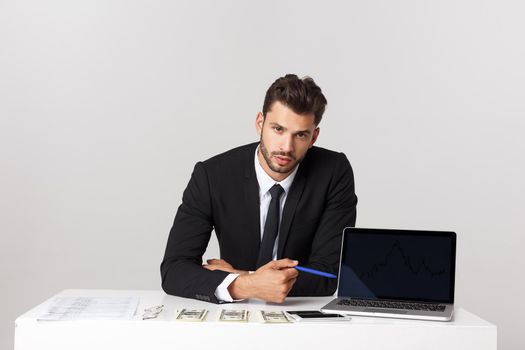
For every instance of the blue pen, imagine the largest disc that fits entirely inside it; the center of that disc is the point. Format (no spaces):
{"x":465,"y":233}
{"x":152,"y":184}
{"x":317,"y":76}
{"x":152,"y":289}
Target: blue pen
{"x":315,"y":272}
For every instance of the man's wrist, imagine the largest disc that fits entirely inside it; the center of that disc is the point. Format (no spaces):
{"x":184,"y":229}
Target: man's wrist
{"x":239,"y":288}
{"x":221,"y":292}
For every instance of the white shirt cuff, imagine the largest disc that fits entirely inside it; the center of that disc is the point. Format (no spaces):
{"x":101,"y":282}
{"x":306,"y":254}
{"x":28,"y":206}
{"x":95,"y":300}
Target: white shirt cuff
{"x":221,"y":292}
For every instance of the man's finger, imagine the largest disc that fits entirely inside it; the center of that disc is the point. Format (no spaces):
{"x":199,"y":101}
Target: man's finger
{"x":211,"y":267}
{"x":215,"y":261}
{"x":291,"y":272}
{"x":282,"y":263}
{"x":291,"y":283}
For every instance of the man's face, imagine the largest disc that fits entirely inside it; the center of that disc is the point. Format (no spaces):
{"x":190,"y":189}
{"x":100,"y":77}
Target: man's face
{"x":285,"y":138}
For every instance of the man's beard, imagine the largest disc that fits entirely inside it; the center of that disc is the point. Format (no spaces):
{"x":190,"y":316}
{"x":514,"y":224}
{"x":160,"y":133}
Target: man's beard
{"x":278,"y":168}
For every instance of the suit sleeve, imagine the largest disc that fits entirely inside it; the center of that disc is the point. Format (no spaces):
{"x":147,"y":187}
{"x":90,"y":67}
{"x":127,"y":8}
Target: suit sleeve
{"x":339,"y":212}
{"x":182,"y":273}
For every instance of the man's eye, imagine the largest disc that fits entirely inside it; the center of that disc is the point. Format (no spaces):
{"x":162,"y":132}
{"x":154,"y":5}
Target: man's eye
{"x":278,"y":128}
{"x":301,"y":135}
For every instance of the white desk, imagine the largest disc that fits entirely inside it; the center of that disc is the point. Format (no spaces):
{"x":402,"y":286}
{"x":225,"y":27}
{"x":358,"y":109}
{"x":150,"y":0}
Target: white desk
{"x":465,"y":331}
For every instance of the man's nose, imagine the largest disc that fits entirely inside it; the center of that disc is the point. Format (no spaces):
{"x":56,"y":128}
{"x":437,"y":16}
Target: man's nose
{"x":287,"y":144}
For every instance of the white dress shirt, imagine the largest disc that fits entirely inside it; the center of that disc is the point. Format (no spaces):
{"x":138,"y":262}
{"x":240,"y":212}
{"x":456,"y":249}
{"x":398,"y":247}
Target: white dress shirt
{"x":265,"y":183}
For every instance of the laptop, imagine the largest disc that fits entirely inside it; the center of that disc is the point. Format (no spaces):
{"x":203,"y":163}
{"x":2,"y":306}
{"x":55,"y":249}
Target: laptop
{"x":396,"y":273}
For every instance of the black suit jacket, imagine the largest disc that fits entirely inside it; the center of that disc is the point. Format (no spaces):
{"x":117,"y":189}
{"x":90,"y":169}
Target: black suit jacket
{"x":223,"y":194}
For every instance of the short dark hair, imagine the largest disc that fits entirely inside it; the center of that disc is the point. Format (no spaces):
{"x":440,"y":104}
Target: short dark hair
{"x":303,"y":96}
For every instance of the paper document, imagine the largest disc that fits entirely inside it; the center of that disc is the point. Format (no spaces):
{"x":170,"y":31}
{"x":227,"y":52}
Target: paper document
{"x":90,"y":308}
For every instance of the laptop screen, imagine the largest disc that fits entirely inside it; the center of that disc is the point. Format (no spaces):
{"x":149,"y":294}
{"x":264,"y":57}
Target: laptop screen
{"x":398,"y":265}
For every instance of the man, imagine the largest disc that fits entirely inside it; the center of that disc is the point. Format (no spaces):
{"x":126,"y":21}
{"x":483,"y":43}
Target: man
{"x":272,"y":204}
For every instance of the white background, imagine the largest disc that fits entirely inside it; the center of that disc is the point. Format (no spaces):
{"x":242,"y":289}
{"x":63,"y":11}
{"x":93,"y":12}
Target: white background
{"x":105,"y":106}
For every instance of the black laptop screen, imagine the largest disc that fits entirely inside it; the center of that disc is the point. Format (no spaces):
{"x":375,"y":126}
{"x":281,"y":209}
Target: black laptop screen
{"x":396,"y":264}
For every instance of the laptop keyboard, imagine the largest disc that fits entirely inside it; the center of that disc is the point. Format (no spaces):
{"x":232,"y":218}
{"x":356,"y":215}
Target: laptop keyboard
{"x":392,"y":305}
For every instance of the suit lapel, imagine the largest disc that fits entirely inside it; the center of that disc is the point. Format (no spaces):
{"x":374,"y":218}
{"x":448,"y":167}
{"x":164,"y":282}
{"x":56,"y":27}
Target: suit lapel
{"x":289,"y":210}
{"x":251,"y":194}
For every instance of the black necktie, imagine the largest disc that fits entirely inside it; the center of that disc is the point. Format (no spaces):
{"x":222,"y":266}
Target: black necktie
{"x":271,"y":227}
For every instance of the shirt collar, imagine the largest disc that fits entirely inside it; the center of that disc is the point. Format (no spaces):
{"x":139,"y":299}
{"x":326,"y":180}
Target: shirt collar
{"x":266,"y":182}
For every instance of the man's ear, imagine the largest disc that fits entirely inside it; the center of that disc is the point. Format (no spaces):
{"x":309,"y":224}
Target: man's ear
{"x":259,"y":122}
{"x":315,"y":136}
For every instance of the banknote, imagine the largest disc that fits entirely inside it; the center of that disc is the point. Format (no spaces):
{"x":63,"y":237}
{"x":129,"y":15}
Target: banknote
{"x":233,"y":315}
{"x":274,"y":317}
{"x":195,"y":315}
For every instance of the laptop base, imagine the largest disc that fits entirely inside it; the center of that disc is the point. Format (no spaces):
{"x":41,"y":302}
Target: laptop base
{"x":334,"y":307}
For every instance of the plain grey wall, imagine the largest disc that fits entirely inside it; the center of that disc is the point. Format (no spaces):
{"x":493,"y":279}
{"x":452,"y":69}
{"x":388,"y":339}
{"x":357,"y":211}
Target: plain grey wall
{"x":105,"y":106}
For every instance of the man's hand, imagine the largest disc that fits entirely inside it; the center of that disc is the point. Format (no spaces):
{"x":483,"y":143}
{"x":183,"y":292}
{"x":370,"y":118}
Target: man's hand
{"x":271,"y":282}
{"x":223,"y":265}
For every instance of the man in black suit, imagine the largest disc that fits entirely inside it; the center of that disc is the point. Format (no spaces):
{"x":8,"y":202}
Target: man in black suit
{"x":273,"y":204}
